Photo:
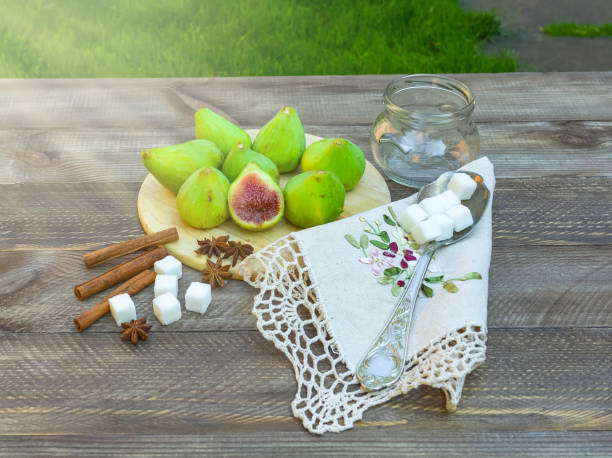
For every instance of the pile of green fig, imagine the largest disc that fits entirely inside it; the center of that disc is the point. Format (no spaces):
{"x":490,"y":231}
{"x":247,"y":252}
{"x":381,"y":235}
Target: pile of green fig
{"x":224,"y":174}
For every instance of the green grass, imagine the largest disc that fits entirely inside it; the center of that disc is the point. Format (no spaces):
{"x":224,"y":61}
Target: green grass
{"x":163,"y":38}
{"x":577,"y":30}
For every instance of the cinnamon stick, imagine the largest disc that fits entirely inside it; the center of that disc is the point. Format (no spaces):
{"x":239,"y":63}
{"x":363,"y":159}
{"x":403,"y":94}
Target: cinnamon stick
{"x":132,"y":286}
{"x":121,"y":272}
{"x":94,"y":258}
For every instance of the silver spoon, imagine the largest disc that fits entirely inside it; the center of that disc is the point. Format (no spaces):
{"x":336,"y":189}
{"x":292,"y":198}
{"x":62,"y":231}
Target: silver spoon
{"x":385,"y":360}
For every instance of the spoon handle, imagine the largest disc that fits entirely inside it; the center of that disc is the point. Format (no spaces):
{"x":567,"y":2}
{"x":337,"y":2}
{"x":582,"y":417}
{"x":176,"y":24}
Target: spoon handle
{"x":384,"y":361}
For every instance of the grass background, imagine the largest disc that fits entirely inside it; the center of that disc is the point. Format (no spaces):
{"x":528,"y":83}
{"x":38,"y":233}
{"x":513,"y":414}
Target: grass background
{"x":164,"y":38}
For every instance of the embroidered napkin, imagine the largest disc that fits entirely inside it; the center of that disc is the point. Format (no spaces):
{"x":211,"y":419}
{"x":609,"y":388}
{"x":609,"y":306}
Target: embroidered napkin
{"x":323,"y":300}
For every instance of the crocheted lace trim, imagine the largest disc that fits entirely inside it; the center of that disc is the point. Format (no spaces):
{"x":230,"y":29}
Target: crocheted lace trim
{"x":329,"y":397}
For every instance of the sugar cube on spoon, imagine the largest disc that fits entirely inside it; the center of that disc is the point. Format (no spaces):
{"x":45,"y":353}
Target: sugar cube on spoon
{"x":463,"y":185}
{"x":411,"y":216}
{"x":461,"y":216}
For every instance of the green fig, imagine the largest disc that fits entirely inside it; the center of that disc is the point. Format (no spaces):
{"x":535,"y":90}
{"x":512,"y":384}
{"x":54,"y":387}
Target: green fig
{"x":313,"y":198}
{"x":240,"y":155}
{"x":172,"y":165}
{"x":282,"y":140}
{"x":202,"y":200}
{"x":223,"y":133}
{"x":255,"y":200}
{"x":337,"y":155}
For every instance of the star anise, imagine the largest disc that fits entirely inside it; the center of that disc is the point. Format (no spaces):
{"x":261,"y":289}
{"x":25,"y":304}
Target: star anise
{"x":214,"y":273}
{"x":238,"y":250}
{"x":213,"y":246}
{"x":135,"y":330}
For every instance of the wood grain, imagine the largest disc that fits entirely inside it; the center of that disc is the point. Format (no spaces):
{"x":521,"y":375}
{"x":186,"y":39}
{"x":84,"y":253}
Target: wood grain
{"x":529,"y":286}
{"x":374,"y":442}
{"x":517,"y":149}
{"x":200,"y":383}
{"x":69,"y":176}
{"x":531,"y":211}
{"x":325,"y":100}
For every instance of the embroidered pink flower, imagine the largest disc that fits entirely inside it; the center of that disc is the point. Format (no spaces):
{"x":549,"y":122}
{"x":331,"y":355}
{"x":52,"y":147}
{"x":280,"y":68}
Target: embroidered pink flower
{"x":401,"y":283}
{"x":409,"y":256}
{"x":393,"y":247}
{"x":378,"y":262}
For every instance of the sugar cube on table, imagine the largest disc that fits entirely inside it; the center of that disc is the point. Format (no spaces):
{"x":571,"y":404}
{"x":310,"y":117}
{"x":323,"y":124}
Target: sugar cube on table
{"x":410,"y":216}
{"x":165,"y":284}
{"x":169,"y":266}
{"x":432,"y":205}
{"x":462,"y":184}
{"x":445,"y":224}
{"x":167,"y":308}
{"x":461,"y":216}
{"x":122,"y":308}
{"x":198,"y":297}
{"x":448,"y":199}
{"x":426,"y":231}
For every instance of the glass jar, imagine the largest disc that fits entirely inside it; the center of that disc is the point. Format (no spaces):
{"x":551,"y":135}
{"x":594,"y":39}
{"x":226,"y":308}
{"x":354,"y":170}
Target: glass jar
{"x":425,"y":130}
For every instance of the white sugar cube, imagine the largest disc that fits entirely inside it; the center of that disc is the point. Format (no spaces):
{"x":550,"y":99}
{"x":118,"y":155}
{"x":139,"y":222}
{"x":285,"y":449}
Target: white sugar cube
{"x":167,"y":308}
{"x":169,"y":266}
{"x":461,"y":216}
{"x":445,"y":224}
{"x":426,"y":231}
{"x":463,"y":185}
{"x":432,"y":205}
{"x":448,"y":199}
{"x":165,"y":284}
{"x":410,"y":216}
{"x":198,"y":297}
{"x":122,"y":308}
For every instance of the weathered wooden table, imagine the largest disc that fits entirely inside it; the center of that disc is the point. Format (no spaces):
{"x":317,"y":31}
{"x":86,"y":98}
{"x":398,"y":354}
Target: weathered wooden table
{"x":70,"y":171}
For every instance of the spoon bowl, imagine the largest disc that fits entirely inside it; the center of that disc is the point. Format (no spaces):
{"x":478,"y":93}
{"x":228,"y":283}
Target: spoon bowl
{"x":476,"y":204}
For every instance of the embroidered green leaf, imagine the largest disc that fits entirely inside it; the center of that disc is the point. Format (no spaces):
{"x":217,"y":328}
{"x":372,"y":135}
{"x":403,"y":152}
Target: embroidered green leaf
{"x":377,"y":244}
{"x":450,"y":287}
{"x":392,"y":271}
{"x":392,"y":213}
{"x":350,"y":239}
{"x":427,"y":290}
{"x":396,"y":289}
{"x":383,"y":235}
{"x":471,"y":276}
{"x":388,"y":220}
{"x":384,"y":280}
{"x":363,"y":241}
{"x":437,"y":279}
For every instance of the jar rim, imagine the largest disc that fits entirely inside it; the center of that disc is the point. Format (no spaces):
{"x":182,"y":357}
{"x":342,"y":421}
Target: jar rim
{"x":435,"y":82}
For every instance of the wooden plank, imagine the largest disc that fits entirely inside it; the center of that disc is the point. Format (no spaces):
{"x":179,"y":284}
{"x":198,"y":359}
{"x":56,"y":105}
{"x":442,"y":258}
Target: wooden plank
{"x":198,"y":383}
{"x":529,"y":286}
{"x":326,"y":100}
{"x":517,"y":149}
{"x":533,"y":211}
{"x":364,"y":443}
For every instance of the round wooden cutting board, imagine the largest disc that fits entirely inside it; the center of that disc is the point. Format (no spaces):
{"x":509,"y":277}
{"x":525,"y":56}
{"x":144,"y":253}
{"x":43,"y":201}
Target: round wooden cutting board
{"x":157,"y":211}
